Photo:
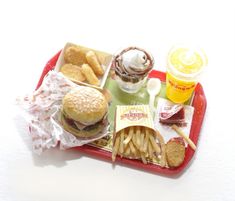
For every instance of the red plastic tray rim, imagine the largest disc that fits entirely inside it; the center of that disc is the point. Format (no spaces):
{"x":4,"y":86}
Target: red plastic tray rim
{"x":199,"y":103}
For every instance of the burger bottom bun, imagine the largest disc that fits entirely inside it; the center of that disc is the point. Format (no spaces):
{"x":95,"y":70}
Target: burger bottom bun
{"x":81,"y":133}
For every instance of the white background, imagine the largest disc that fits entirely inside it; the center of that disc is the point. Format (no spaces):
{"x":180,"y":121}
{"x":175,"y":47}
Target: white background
{"x":33,"y":31}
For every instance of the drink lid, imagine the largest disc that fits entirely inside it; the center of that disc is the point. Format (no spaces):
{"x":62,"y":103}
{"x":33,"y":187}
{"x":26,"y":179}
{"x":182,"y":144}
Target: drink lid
{"x":186,"y":62}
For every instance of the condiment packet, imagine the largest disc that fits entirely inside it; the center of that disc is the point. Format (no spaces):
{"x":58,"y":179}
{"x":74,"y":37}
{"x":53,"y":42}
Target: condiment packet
{"x":166,"y":130}
{"x":42,"y":112}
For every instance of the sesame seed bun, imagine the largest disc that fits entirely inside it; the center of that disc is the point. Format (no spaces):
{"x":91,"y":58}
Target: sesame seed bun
{"x":85,"y":105}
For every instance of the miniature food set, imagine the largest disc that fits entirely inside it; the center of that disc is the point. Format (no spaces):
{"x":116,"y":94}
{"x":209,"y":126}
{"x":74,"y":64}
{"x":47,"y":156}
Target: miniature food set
{"x":99,"y":104}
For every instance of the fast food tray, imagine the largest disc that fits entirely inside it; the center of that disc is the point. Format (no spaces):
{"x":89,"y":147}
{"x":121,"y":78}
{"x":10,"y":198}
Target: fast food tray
{"x":198,"y":102}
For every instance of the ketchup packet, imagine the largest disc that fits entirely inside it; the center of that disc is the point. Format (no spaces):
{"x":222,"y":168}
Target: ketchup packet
{"x":172,"y":114}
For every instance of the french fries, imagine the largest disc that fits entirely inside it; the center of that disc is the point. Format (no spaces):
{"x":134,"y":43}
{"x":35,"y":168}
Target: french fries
{"x":121,"y":147}
{"x":138,"y":142}
{"x":163,"y":162}
{"x":129,"y":137}
{"x":187,"y":139}
{"x":146,"y":140}
{"x":155,"y":146}
{"x":116,"y":147}
{"x":138,"y":137}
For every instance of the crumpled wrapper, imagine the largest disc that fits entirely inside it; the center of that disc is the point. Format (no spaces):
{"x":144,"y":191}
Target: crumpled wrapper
{"x":42,"y":112}
{"x":166,"y":129}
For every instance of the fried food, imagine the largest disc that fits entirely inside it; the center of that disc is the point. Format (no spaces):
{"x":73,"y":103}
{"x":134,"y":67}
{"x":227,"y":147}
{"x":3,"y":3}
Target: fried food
{"x":73,"y":72}
{"x":186,"y":138}
{"x":107,"y":95}
{"x":139,"y":142}
{"x":121,"y":148}
{"x":75,"y":55}
{"x":83,"y":112}
{"x":138,"y":137}
{"x":90,"y":75}
{"x":94,"y":63}
{"x":130,"y":134}
{"x":175,"y":152}
{"x":115,"y":148}
{"x":163,"y":148}
{"x":146,"y":140}
{"x":155,"y":145}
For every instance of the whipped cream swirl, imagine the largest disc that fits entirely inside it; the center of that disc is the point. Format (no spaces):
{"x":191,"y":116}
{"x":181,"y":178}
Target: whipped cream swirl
{"x":133,"y":64}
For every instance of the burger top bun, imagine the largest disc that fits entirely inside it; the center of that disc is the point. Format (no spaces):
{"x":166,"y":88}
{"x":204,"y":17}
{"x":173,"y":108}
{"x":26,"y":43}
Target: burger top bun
{"x":85,"y":105}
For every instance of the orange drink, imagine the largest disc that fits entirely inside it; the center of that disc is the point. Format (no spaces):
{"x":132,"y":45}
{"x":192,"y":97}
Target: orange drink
{"x":183,"y":67}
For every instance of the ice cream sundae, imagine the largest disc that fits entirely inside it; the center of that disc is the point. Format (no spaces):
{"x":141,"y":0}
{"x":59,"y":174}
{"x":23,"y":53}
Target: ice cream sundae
{"x":132,"y":66}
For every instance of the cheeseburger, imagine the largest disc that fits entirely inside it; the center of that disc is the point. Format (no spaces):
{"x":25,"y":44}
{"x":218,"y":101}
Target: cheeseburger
{"x":84,"y":112}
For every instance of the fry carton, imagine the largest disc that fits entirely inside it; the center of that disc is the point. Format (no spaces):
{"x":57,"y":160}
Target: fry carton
{"x":133,"y":115}
{"x":135,"y":137}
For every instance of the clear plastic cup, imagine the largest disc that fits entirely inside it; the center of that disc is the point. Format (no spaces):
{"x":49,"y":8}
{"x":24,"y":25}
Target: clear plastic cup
{"x":131,"y":74}
{"x":184,"y":65}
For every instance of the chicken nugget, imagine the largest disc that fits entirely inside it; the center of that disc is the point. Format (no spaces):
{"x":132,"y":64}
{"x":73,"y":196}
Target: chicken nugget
{"x":74,"y":55}
{"x":72,"y":72}
{"x":94,"y":63}
{"x":90,"y":75}
{"x":175,"y":152}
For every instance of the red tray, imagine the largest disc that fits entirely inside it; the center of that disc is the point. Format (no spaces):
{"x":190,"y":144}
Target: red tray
{"x":199,"y":103}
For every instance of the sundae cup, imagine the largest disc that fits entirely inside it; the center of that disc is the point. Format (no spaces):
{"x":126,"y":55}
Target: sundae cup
{"x":132,"y":66}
